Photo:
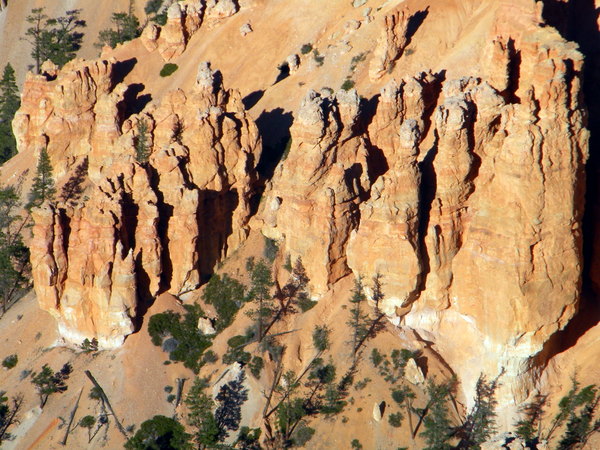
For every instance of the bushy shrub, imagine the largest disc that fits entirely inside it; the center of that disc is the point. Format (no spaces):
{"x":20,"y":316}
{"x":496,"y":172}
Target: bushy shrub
{"x":306,"y":49}
{"x":348,"y":84}
{"x":226,"y":294}
{"x":168,"y":69}
{"x":10,"y":361}
{"x":191,"y":343}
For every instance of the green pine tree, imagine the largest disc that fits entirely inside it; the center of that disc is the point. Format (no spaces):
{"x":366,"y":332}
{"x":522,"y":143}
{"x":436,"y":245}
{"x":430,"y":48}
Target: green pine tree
{"x":43,"y":184}
{"x":54,"y":39}
{"x":10,"y":102}
{"x":126,"y":28}
{"x":200,"y":416}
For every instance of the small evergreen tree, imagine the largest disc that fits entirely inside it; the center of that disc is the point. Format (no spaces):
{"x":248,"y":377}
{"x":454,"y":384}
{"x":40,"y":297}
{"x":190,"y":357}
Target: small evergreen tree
{"x":9,"y":105}
{"x":126,"y":28}
{"x":142,"y":148}
{"x":160,"y":432}
{"x":43,"y":184}
{"x":358,"y":318}
{"x":480,"y":423}
{"x":54,"y":39}
{"x":200,"y":415}
{"x":8,"y":414}
{"x":260,"y":292}
{"x":14,"y":255}
{"x":47,"y":382}
{"x":437,"y":422}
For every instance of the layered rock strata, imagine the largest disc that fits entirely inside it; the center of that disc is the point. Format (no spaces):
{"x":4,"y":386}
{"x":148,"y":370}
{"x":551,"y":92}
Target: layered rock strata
{"x":124,"y":229}
{"x":466,"y":196}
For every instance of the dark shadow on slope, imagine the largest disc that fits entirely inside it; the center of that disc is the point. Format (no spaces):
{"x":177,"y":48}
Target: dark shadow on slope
{"x":274,"y":129}
{"x":122,"y":69}
{"x":284,"y":72}
{"x":414,"y":23}
{"x":252,"y":99}
{"x":72,"y":189}
{"x":132,"y":103}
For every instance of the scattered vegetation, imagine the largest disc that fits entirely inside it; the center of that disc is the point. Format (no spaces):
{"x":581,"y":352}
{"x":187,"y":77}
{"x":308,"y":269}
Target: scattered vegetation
{"x":126,"y":27}
{"x":160,"y":432}
{"x":153,"y":10}
{"x":14,"y":255}
{"x":437,"y":423}
{"x":141,"y":144}
{"x":88,"y":422}
{"x":319,"y":59}
{"x":55,"y":39}
{"x":271,"y":249}
{"x":88,"y":346}
{"x":226,"y":294}
{"x":356,"y":60}
{"x":185,"y":342}
{"x":168,"y":69}
{"x":8,"y":414}
{"x":10,"y":101}
{"x":347,"y":84}
{"x":306,"y":49}
{"x":10,"y":361}
{"x":47,"y":382}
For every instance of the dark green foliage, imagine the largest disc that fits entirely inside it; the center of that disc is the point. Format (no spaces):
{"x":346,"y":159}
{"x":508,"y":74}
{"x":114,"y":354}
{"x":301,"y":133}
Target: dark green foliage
{"x":94,"y":393}
{"x":355,"y":443}
{"x":260,"y":288}
{"x":47,"y":382}
{"x":360,"y":385}
{"x":89,"y":346}
{"x":333,"y":400}
{"x":10,"y":101}
{"x":235,"y":350}
{"x":320,"y":338}
{"x":357,"y":59}
{"x":376,"y":357}
{"x":152,"y":6}
{"x":306,"y":304}
{"x":402,"y":394}
{"x":54,"y":39}
{"x":43,"y":184}
{"x":168,"y":69}
{"x":318,"y":58}
{"x":160,"y":433}
{"x":200,"y":415}
{"x":248,"y":439}
{"x":141,"y":144}
{"x":14,"y":256}
{"x":171,"y":398}
{"x":88,"y":422}
{"x":306,"y":49}
{"x":190,"y":342}
{"x":271,"y":249}
{"x":8,"y":414}
{"x":302,"y":435}
{"x":230,"y":399}
{"x":392,"y":369}
{"x":210,"y":357}
{"x":395,"y":419}
{"x":256,"y":365}
{"x":10,"y":361}
{"x":347,"y":84}
{"x":437,"y":421}
{"x":126,"y":27}
{"x":480,"y":422}
{"x":226,"y":294}
{"x":358,"y":321}
{"x":578,"y":408}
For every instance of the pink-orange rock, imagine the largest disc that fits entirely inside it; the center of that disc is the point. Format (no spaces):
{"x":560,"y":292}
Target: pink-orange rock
{"x":391,"y":43}
{"x":124,"y":231}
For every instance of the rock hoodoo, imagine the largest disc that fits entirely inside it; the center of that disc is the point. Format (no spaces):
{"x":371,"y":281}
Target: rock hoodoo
{"x":133,"y":228}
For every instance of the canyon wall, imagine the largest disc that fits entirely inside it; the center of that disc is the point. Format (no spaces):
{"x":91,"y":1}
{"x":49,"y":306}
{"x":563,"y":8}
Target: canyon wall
{"x":463,"y":188}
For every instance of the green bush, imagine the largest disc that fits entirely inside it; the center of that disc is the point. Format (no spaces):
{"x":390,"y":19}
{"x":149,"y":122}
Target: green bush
{"x":190,"y":342}
{"x":306,"y":49}
{"x":318,"y":58}
{"x":10,"y":361}
{"x":256,"y":365}
{"x":168,"y":69}
{"x":395,"y":419}
{"x":226,"y":294}
{"x":306,"y":304}
{"x":158,"y":433}
{"x":271,"y":249}
{"x":348,"y":84}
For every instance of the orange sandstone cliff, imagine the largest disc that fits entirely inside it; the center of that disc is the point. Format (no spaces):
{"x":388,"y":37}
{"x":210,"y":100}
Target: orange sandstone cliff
{"x":459,"y":177}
